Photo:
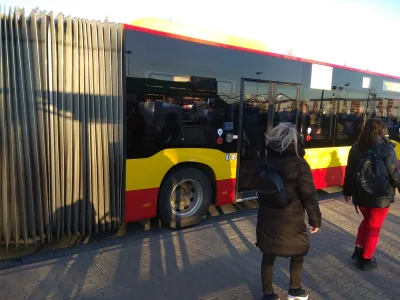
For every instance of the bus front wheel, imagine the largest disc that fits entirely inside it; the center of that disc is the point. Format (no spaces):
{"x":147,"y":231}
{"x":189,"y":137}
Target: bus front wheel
{"x":184,"y":197}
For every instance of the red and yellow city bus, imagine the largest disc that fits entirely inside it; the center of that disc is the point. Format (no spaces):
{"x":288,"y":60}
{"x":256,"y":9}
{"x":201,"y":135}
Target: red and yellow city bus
{"x":198,"y":107}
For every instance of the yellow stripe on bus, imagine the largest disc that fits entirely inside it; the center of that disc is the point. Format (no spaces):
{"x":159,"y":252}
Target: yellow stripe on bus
{"x":321,"y":158}
{"x":148,"y":173}
{"x":397,"y":149}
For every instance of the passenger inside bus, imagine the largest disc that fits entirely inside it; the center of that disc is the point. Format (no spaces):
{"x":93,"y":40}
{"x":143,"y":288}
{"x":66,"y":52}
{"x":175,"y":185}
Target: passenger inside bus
{"x":136,"y":126}
{"x":200,"y":115}
{"x":168,"y":132}
{"x":197,"y":111}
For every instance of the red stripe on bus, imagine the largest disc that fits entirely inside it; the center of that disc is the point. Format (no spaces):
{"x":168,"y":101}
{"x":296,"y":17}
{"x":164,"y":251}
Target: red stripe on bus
{"x":215,"y":44}
{"x":225,"y":191}
{"x":328,"y":177}
{"x":141,"y":204}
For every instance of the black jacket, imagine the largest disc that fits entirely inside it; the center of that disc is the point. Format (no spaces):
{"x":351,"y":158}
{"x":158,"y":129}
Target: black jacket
{"x":283,"y":232}
{"x":392,"y":166}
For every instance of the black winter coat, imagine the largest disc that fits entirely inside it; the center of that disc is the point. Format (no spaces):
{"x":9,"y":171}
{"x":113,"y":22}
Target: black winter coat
{"x":392,"y":166}
{"x":283,"y":232}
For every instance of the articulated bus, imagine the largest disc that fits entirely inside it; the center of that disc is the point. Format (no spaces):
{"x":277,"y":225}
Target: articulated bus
{"x":103,"y":123}
{"x":197,"y":112}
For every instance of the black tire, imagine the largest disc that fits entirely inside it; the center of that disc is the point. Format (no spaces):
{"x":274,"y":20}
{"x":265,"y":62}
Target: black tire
{"x":191,"y":177}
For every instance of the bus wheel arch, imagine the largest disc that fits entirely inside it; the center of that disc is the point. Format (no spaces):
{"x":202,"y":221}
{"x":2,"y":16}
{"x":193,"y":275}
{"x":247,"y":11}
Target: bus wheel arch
{"x":185,"y":194}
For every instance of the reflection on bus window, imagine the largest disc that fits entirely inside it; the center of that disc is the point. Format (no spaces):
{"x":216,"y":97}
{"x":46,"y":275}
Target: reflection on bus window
{"x":166,"y":114}
{"x":255,"y":119}
{"x":285,"y":104}
{"x":316,"y":119}
{"x":387,"y":109}
{"x":349,"y":121}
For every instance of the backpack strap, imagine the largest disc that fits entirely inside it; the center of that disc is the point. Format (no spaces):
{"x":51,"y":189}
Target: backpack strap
{"x":356,"y":207}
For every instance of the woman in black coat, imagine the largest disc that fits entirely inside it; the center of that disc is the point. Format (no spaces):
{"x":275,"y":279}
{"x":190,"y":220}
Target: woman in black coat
{"x":282,"y":232}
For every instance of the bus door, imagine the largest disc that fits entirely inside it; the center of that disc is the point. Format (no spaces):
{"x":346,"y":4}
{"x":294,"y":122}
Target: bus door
{"x":263,"y":105}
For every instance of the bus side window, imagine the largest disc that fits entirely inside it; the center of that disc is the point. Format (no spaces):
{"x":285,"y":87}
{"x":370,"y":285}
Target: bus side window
{"x":316,"y":119}
{"x":387,"y":109}
{"x":165,"y":114}
{"x":349,"y":121}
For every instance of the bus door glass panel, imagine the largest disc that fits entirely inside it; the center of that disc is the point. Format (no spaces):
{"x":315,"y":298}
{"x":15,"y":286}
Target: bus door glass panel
{"x":285,"y":104}
{"x":254,"y":124}
{"x":316,"y":116}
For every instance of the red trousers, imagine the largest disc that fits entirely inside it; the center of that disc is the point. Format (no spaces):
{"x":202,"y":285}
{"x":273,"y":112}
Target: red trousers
{"x":370,"y":228}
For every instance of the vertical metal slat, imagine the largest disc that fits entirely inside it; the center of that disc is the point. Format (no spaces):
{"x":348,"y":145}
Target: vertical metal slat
{"x":67,"y":115}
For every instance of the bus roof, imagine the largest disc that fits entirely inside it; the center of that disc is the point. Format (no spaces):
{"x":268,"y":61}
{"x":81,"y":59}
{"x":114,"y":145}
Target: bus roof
{"x":208,"y":37}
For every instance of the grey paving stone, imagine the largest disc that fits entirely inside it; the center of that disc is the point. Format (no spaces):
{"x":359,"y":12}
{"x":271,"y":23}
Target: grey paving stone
{"x":91,"y":292}
{"x":17,"y":297}
{"x":68,"y":281}
{"x":38,"y":297}
{"x":96,"y":274}
{"x":240,"y":294}
{"x":53,"y":290}
{"x":30,"y":281}
{"x":15,"y":291}
{"x":101,"y":282}
{"x":34,"y":290}
{"x":46,"y":274}
{"x":107,"y":266}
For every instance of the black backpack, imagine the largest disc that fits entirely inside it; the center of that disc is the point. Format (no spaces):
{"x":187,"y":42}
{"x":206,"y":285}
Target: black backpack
{"x":272,"y":192}
{"x":372,"y":176}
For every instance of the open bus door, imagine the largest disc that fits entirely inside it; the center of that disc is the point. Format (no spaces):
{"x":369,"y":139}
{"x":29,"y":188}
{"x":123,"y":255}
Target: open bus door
{"x":263,"y":105}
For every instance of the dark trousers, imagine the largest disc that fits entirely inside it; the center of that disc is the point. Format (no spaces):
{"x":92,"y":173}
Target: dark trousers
{"x":267,"y":272}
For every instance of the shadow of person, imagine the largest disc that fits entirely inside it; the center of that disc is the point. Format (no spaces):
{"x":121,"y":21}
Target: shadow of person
{"x":334,"y":175}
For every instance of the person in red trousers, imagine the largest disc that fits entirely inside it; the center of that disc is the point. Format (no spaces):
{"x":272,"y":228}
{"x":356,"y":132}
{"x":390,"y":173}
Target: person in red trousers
{"x":373,"y":207}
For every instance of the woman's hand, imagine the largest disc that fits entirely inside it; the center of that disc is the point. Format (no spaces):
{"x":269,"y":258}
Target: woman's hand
{"x":314,"y":229}
{"x":348,"y":199}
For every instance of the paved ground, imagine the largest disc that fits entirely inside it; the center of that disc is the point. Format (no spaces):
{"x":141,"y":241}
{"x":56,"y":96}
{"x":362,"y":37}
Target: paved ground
{"x":215,"y":260}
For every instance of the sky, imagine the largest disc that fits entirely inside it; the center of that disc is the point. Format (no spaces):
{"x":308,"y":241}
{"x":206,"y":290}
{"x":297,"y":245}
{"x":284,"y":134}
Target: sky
{"x":357,"y":33}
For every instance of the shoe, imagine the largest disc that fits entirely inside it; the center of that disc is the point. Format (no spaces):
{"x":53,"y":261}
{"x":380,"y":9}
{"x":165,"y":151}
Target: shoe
{"x":368,"y":264}
{"x":271,"y":297}
{"x":358,"y":253}
{"x":297,"y":294}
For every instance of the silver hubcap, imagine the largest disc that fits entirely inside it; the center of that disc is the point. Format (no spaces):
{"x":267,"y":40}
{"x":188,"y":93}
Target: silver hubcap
{"x":186,"y":198}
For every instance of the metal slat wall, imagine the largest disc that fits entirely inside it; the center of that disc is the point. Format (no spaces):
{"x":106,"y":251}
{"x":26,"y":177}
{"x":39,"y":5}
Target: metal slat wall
{"x":61,"y":127}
